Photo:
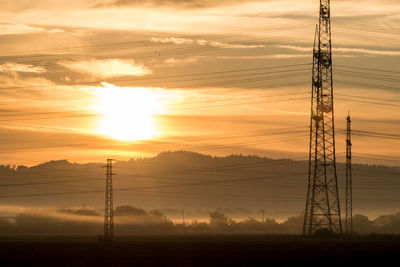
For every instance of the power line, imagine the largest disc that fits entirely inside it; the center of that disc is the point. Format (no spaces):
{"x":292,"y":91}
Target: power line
{"x":160,"y":78}
{"x":368,"y":77}
{"x":202,"y":36}
{"x":290,"y":66}
{"x":189,"y":49}
{"x":371,"y":98}
{"x":368,"y":102}
{"x":365,"y":26}
{"x":358,"y":84}
{"x":165,"y":172}
{"x":137,"y":188}
{"x":369,"y":69}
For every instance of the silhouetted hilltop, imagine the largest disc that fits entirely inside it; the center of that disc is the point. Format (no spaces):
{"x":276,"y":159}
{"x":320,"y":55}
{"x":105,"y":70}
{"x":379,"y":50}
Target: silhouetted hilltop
{"x":54,"y":163}
{"x":187,"y":158}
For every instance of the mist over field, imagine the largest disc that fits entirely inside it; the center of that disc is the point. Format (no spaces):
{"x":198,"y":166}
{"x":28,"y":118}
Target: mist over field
{"x":134,"y":221}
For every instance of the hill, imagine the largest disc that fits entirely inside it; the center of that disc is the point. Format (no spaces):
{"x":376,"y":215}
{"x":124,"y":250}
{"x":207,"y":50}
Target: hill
{"x":241,"y":186}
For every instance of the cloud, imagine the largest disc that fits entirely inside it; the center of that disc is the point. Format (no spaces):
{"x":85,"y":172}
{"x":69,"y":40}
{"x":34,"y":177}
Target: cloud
{"x":11,"y":28}
{"x":368,"y":51}
{"x":180,"y":41}
{"x":108,"y":68}
{"x":29,"y":5}
{"x":57,"y":30}
{"x":19,"y":80}
{"x":7,"y":28}
{"x":173,"y":40}
{"x":296,"y":48}
{"x":351,"y":51}
{"x":184,"y":4}
{"x":16,"y":67}
{"x":31,"y":87}
{"x":227,"y":45}
{"x":275,"y":56}
{"x":182,"y":61}
{"x":27,"y":77}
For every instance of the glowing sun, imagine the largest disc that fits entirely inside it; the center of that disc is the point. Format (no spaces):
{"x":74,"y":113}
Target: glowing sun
{"x":127,"y":113}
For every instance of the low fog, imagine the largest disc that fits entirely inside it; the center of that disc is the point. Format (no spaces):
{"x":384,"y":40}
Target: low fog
{"x":131,"y":220}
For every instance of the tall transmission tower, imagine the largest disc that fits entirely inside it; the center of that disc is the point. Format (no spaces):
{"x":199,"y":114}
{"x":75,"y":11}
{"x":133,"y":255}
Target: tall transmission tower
{"x":349,"y":189}
{"x":108,"y":212}
{"x":322,"y":204}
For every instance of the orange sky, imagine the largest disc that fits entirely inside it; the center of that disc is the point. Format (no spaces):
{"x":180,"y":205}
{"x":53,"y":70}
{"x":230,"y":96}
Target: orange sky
{"x":87,"y":80}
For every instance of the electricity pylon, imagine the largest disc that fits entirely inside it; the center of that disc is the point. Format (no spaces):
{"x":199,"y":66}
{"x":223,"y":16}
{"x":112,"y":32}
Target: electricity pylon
{"x":349,"y":189}
{"x":108,"y":212}
{"x":322,"y":204}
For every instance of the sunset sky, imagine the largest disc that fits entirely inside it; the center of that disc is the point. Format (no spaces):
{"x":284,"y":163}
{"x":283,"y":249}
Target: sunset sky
{"x":85,"y":80}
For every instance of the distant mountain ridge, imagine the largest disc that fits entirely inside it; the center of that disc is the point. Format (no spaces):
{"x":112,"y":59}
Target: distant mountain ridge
{"x":193,"y":181}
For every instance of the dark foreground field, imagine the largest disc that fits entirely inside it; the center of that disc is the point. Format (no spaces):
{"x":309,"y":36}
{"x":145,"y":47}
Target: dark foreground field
{"x":200,"y":251}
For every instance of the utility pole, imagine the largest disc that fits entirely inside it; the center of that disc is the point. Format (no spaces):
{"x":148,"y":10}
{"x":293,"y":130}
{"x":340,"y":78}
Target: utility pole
{"x":183,"y":216}
{"x":322,"y":203}
{"x":263,"y":215}
{"x":108,"y":212}
{"x":349,"y":186}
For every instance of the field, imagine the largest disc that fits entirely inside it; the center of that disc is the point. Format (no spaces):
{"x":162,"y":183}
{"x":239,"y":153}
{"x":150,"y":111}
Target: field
{"x":199,"y":251}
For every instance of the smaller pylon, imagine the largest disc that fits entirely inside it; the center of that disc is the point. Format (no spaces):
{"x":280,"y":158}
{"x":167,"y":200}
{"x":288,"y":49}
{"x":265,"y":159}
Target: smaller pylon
{"x":349,"y":190}
{"x":108,"y":212}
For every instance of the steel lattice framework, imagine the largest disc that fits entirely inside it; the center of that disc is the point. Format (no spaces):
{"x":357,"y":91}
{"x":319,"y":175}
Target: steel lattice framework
{"x":349,"y":189}
{"x":322,"y":204}
{"x":108,"y":212}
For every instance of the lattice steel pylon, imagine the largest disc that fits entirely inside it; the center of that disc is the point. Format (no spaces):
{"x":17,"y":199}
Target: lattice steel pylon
{"x":108,"y":211}
{"x":349,"y":182}
{"x":322,"y":203}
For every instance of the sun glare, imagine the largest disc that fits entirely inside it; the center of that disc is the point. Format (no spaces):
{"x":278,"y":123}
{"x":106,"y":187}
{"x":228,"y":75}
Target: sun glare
{"x":127,"y":113}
